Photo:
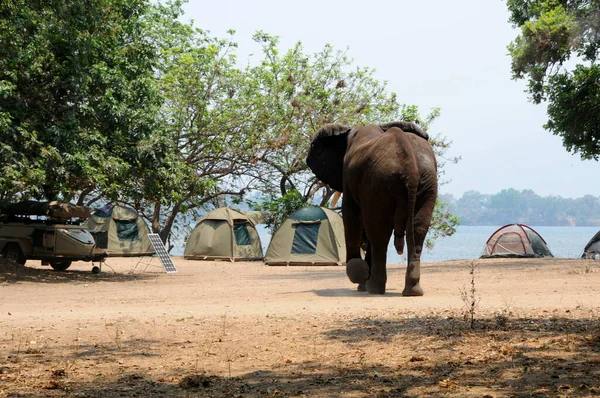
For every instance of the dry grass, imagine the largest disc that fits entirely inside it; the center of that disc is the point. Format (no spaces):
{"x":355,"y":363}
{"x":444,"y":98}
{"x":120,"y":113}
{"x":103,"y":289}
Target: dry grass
{"x":385,"y":356}
{"x":385,"y":351}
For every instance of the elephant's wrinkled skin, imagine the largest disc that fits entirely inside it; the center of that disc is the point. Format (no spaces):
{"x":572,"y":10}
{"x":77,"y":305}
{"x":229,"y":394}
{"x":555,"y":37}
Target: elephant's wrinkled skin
{"x":388,"y":175}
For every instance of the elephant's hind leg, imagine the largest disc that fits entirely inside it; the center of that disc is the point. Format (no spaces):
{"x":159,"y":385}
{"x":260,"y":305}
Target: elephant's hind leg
{"x":411,"y":283}
{"x":379,"y":229}
{"x":357,"y":269}
{"x":362,"y":287}
{"x":423,"y":214}
{"x":378,"y":278}
{"x":413,"y":276}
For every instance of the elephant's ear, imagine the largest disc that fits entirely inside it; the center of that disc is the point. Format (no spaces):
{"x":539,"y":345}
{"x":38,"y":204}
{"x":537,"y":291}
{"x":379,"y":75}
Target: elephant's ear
{"x":407,"y":127}
{"x":326,"y":155}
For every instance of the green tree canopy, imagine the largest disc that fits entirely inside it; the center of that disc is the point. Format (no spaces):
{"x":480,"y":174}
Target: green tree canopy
{"x":78,"y":97}
{"x":293,"y":94}
{"x":242,"y":129}
{"x":557,"y":52}
{"x":110,"y":100}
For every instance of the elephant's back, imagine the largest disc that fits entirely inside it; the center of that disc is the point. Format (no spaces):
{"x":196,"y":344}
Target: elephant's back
{"x":424,"y":153}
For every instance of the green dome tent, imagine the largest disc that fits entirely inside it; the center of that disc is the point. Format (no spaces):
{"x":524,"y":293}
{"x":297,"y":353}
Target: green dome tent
{"x":516,"y":240}
{"x":592,"y":249}
{"x":311,"y":236}
{"x":120,"y":230}
{"x":224,"y":234}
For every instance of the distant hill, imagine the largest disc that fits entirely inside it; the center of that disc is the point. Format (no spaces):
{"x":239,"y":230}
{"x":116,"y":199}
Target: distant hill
{"x":527,"y":207}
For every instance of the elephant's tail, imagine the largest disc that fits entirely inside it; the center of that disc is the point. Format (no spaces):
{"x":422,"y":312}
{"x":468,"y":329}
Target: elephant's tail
{"x":410,"y":178}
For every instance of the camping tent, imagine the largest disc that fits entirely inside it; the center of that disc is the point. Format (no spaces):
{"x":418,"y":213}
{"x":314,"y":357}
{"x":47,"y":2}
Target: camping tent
{"x":592,"y":249}
{"x":224,"y":233}
{"x":516,"y":240}
{"x":311,"y":236}
{"x":120,"y":230}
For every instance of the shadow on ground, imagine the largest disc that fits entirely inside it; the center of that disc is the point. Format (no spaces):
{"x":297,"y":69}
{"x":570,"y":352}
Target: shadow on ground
{"x":14,"y":273}
{"x":353,"y":292}
{"x":521,"y":357}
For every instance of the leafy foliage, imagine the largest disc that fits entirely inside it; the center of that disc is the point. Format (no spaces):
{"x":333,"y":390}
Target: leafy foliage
{"x":279,"y":208}
{"x":443,"y":223}
{"x":239,"y":130}
{"x":78,"y":96}
{"x":574,"y":108}
{"x":293,"y":94}
{"x":554,"y":32}
{"x":211,"y":148}
{"x":117,"y":100}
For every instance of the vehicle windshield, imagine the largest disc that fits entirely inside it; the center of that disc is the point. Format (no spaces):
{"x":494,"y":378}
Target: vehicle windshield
{"x":82,"y":235}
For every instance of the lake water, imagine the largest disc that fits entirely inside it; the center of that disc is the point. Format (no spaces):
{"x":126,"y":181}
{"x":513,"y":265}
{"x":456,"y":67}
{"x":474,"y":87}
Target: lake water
{"x":468,"y":243}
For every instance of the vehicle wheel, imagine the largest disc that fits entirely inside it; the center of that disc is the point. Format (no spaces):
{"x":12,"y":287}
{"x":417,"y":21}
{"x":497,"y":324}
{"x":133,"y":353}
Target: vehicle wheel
{"x":13,"y":252}
{"x":60,"y":265}
{"x":95,"y":270}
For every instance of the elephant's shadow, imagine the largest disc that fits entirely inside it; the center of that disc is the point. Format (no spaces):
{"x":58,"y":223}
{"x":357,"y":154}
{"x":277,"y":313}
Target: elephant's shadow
{"x":351,"y":293}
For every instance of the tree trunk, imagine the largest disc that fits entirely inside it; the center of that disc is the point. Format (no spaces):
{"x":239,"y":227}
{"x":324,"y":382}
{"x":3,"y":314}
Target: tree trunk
{"x":156,"y":218}
{"x":166,"y":231}
{"x":327,"y":196}
{"x":282,"y":185}
{"x":82,"y":196}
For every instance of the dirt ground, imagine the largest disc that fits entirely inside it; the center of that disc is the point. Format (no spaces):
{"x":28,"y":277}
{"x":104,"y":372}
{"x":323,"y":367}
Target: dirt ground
{"x":511,"y":328}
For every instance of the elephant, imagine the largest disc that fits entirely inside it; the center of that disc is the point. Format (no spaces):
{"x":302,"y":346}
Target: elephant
{"x":388,"y":176}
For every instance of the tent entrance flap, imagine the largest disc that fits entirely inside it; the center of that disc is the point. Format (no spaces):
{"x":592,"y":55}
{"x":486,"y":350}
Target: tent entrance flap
{"x":538,"y":244}
{"x":510,"y":243}
{"x":242,"y":235}
{"x":127,"y":230}
{"x":305,"y":238}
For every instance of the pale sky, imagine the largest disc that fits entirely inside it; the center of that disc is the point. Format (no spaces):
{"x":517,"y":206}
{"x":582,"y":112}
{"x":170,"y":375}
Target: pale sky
{"x":432,"y":53}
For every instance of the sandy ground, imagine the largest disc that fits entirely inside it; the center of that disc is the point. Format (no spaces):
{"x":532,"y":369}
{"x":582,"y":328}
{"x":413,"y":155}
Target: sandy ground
{"x":510,"y":328}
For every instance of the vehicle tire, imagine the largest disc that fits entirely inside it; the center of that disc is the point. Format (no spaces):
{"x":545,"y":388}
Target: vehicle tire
{"x":60,"y":265}
{"x":13,"y":252}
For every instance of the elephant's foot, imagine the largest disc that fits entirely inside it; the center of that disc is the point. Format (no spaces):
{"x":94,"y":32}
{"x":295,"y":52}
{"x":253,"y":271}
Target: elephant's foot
{"x":357,"y":270}
{"x":416,"y":290}
{"x":375,"y":288}
{"x":362,"y":287}
{"x":413,"y":277}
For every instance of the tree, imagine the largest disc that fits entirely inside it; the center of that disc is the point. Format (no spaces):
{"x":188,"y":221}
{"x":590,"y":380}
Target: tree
{"x":512,"y":206}
{"x":237,"y":130}
{"x":584,"y":210}
{"x":554,"y":32}
{"x":112,"y":100}
{"x":293,"y":94}
{"x":86,"y":104}
{"x":471,"y":207}
{"x":204,"y":118}
{"x":246,"y":129}
{"x":78,"y":97}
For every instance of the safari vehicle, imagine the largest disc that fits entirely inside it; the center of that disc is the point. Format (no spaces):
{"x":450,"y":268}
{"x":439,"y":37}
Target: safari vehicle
{"x":47,"y":231}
